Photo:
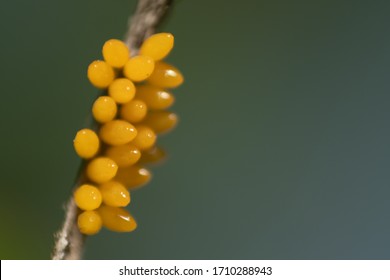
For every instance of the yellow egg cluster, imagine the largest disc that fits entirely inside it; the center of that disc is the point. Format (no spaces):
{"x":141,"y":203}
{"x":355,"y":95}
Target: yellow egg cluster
{"x":131,"y":113}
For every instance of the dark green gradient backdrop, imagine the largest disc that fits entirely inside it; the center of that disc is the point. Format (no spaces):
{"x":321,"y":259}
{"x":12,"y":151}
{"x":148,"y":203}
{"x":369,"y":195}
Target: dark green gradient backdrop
{"x":282,"y":152}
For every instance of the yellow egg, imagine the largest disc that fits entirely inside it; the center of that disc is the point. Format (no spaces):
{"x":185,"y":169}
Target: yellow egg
{"x":117,"y":219}
{"x":161,"y":121}
{"x":154,"y":97}
{"x":89,"y":222}
{"x":101,"y":169}
{"x":122,"y":90}
{"x":138,"y":68}
{"x":115,"y":194}
{"x":124,"y":155}
{"x":104,"y":109}
{"x":87,"y":197}
{"x":145,"y":138}
{"x":117,"y":132}
{"x":100,"y":74}
{"x":165,"y":76}
{"x":134,"y":111}
{"x":86,"y":143}
{"x":133,"y":177}
{"x":115,"y":53}
{"x":157,"y":46}
{"x":153,"y":155}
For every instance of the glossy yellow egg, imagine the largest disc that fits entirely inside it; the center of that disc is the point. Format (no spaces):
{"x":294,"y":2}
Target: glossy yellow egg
{"x":100,"y":74}
{"x":117,"y":132}
{"x":115,"y":53}
{"x":138,"y":68}
{"x":160,"y":121}
{"x":134,"y":111}
{"x":157,"y":46}
{"x":154,"y":97}
{"x":89,"y":222}
{"x":124,"y":155}
{"x":87,"y":197}
{"x":117,"y":219}
{"x":101,"y":169}
{"x":133,"y":177}
{"x":115,"y":194}
{"x":86,"y":143}
{"x":104,"y":109}
{"x":165,"y":76}
{"x":122,"y":90}
{"x":145,"y":138}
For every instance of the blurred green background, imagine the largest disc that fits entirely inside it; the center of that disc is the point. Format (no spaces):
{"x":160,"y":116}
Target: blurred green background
{"x":282,"y":151}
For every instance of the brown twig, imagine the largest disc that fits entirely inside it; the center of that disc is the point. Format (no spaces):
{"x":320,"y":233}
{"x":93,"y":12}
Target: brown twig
{"x":69,"y":242}
{"x":148,"y":15}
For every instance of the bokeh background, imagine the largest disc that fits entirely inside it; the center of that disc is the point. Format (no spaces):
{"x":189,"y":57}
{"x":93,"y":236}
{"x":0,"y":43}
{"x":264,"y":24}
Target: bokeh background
{"x":283,"y":147}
